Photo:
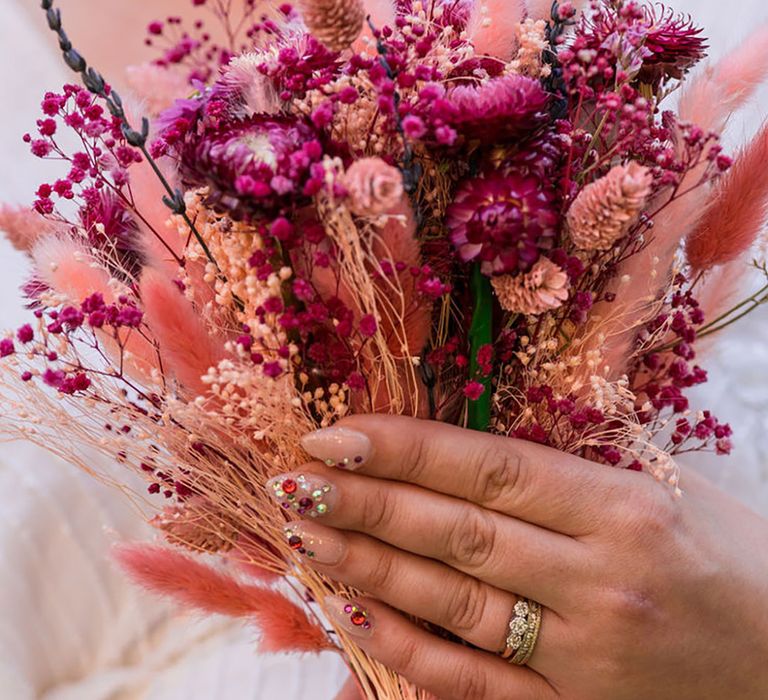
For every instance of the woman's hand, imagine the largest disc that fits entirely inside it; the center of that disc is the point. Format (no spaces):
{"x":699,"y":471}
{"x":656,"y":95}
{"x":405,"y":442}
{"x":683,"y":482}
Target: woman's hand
{"x":645,"y":595}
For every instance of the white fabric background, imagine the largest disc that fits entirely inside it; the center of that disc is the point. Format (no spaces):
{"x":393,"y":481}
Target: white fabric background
{"x":70,"y":626}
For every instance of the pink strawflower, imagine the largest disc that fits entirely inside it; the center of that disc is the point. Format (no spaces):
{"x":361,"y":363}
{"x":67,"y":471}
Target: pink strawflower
{"x":605,"y":210}
{"x":373,"y":187}
{"x":542,"y":289}
{"x":502,"y":108}
{"x":503,"y":221}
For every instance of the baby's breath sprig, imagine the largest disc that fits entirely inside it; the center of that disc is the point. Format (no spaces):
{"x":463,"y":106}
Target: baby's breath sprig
{"x":95,"y":84}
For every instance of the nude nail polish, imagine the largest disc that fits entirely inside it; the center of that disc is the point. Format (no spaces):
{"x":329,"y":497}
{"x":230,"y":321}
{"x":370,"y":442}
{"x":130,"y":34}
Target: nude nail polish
{"x":316,"y":543}
{"x":305,"y":494}
{"x":350,"y":616}
{"x":339,"y":447}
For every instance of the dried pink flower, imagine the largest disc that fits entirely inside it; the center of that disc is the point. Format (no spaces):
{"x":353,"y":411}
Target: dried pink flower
{"x":374,"y":187}
{"x":606,"y":209}
{"x":542,"y":289}
{"x":502,"y":108}
{"x":334,"y":23}
{"x":503,"y":221}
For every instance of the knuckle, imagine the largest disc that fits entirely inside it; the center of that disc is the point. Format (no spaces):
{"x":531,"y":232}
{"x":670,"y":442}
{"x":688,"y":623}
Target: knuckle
{"x":469,"y":683}
{"x":376,"y":513}
{"x":659,"y":514}
{"x":500,"y":471}
{"x":381,"y":575}
{"x":467,"y":605}
{"x":635,"y":607}
{"x":472,"y":538}
{"x":415,"y":462}
{"x":406,"y":656}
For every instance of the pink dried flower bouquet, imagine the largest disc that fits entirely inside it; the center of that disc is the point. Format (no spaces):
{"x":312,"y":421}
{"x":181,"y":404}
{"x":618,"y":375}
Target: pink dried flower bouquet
{"x":475,"y":212}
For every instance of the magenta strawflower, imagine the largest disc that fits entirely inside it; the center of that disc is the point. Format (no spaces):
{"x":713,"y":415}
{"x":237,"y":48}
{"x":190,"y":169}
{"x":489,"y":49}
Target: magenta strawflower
{"x":502,"y":108}
{"x":503,"y":221}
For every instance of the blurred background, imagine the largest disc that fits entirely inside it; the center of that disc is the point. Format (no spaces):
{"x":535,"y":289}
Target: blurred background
{"x":70,"y":627}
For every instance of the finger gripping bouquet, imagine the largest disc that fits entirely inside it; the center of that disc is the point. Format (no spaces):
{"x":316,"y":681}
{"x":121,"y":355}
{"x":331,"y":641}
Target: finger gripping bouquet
{"x":476,"y":212}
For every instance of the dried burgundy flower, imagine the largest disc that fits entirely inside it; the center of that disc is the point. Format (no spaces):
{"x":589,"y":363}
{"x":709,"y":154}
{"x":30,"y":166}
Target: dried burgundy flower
{"x":502,"y":108}
{"x":503,"y":221}
{"x":673,"y":44}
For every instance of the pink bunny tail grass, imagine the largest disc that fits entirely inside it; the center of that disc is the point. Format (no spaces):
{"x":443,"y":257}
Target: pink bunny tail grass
{"x":710,"y":97}
{"x":720,"y":290}
{"x":156,"y":86}
{"x":70,"y":270}
{"x":737,"y":211}
{"x":398,"y":242}
{"x":196,"y":586}
{"x":492,"y":27}
{"x":23,"y":226}
{"x":186,"y":346}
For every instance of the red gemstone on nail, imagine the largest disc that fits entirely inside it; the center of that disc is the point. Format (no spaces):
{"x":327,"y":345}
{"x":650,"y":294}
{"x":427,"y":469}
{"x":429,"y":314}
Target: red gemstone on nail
{"x":306,"y":503}
{"x":294,"y":542}
{"x":290,"y":486}
{"x":358,"y":618}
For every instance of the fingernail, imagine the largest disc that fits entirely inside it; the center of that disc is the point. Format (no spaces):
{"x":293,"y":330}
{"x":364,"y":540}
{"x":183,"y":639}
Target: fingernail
{"x":316,"y":543}
{"x":350,"y":616}
{"x":339,"y":447}
{"x":305,"y":494}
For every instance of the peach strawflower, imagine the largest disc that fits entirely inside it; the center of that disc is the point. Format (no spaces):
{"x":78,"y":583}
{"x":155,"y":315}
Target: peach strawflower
{"x":605,"y":210}
{"x":542,"y":289}
{"x":374,"y":187}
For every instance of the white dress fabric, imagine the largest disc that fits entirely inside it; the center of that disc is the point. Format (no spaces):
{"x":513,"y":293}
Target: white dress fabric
{"x":71,"y":627}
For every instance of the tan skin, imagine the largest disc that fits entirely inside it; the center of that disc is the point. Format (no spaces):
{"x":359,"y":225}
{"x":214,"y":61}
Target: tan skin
{"x":647,"y":596}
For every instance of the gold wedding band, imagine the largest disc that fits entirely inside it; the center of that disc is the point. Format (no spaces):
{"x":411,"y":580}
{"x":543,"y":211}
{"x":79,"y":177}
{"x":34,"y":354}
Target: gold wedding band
{"x":523,"y":632}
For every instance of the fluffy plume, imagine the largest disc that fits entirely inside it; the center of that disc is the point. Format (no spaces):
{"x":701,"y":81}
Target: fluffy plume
{"x":23,"y":226}
{"x":156,"y":86}
{"x":736,"y":213}
{"x":187,"y":348}
{"x":244,"y":78}
{"x":284,"y":626}
{"x":335,"y":23}
{"x":492,"y":27}
{"x":606,"y":209}
{"x":542,"y":289}
{"x":709,"y":98}
{"x":374,"y":187}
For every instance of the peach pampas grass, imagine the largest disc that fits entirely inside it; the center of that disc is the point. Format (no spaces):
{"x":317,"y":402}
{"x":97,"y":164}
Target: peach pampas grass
{"x":196,"y":586}
{"x":23,"y":226}
{"x":492,"y":27}
{"x":737,"y":211}
{"x":186,"y":345}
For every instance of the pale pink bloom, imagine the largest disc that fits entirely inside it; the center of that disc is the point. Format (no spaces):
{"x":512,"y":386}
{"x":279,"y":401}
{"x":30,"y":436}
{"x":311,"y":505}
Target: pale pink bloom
{"x":252,"y":87}
{"x":605,"y":210}
{"x":373,"y":187}
{"x":542,"y":289}
{"x":155,"y":86}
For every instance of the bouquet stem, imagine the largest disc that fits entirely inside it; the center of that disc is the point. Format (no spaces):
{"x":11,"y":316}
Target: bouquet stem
{"x":480,"y":334}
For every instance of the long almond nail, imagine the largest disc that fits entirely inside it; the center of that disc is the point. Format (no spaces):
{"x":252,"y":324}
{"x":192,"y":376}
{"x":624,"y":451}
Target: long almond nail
{"x":350,"y":616}
{"x":316,"y":543}
{"x":305,"y":494}
{"x":339,"y":447}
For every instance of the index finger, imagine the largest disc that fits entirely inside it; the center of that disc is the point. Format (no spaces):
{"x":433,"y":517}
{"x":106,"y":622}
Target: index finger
{"x":521,"y":479}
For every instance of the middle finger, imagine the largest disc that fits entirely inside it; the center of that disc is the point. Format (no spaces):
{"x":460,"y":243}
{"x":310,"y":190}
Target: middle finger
{"x":506,"y":553}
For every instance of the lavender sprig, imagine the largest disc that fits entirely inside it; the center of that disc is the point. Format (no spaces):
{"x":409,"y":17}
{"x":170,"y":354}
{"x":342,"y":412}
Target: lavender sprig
{"x":95,"y":84}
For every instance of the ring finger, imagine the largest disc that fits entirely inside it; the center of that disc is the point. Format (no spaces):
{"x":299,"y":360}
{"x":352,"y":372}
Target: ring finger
{"x":475,"y":611}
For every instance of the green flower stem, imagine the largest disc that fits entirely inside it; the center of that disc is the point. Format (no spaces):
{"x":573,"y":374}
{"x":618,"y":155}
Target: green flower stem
{"x":480,"y":333}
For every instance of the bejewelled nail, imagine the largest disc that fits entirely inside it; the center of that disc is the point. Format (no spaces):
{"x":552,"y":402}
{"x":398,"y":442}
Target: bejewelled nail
{"x":305,"y":494}
{"x":339,"y":447}
{"x":316,"y":543}
{"x":350,"y":616}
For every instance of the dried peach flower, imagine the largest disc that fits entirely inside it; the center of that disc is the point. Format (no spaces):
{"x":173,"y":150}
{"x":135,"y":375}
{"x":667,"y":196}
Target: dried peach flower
{"x":373,"y":186}
{"x":542,"y":289}
{"x":606,"y":209}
